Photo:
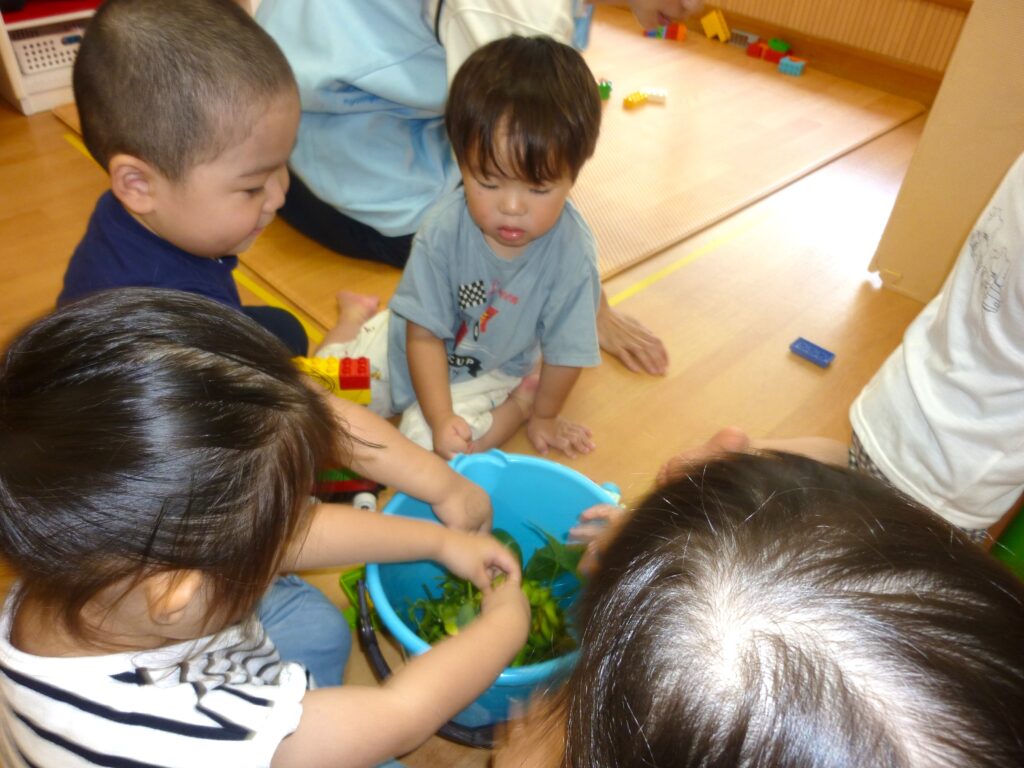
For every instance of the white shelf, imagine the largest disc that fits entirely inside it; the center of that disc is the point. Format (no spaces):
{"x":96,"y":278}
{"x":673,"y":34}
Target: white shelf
{"x":36,"y":91}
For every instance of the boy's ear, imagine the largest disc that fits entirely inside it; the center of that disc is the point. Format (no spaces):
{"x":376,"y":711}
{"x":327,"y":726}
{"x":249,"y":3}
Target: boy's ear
{"x":133,"y":182}
{"x":169,"y":594}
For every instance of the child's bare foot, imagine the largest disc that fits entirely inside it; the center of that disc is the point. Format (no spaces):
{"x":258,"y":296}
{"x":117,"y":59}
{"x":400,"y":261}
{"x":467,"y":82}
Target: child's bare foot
{"x":524,"y":395}
{"x":354,"y":309}
{"x":725,"y":440}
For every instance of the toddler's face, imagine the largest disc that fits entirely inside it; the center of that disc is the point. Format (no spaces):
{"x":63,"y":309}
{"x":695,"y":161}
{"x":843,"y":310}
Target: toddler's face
{"x":223,"y":204}
{"x":513,"y":212}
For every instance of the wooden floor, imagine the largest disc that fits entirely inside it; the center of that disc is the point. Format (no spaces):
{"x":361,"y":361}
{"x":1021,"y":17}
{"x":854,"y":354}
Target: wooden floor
{"x":727,"y":302}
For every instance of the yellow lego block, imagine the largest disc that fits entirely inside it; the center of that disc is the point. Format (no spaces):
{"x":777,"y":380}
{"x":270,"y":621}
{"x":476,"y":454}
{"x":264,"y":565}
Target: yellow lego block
{"x":634,"y":100}
{"x":714,"y":26}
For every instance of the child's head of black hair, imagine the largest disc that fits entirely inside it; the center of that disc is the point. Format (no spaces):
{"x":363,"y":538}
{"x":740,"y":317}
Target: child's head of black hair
{"x":524,"y":107}
{"x":144,"y":431}
{"x":174,"y":83}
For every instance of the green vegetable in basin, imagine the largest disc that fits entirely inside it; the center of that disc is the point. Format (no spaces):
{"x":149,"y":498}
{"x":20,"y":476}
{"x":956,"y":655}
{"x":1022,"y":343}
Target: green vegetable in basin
{"x":459,"y":602}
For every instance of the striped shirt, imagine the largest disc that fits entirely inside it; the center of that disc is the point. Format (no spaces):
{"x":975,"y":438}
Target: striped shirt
{"x":224,"y":700}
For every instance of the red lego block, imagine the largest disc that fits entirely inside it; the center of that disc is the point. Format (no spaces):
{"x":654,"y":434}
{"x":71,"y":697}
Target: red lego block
{"x":358,"y":485}
{"x":675,"y":32}
{"x":756,"y":49}
{"x":770,"y":54}
{"x":354,"y":373}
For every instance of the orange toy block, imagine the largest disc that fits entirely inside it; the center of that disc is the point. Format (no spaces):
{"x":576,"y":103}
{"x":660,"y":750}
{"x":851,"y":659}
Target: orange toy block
{"x":675,"y":32}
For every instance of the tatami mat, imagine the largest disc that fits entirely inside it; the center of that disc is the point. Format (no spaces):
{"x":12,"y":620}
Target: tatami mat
{"x":733,"y":130}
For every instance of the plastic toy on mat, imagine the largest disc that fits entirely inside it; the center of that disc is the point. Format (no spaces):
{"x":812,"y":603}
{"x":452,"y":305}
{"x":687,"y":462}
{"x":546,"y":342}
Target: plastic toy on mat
{"x":634,"y":100}
{"x":756,"y":49}
{"x":655,"y":95}
{"x":777,"y":49}
{"x":791,"y":65}
{"x":812,"y":352}
{"x":347,"y":377}
{"x":343,"y":486}
{"x":741,"y":38}
{"x":604,"y":87}
{"x":714,"y":26}
{"x":667,"y":32}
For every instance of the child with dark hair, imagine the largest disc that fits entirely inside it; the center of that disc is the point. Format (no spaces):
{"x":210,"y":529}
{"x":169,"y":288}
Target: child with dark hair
{"x":771,"y":611}
{"x":192,"y":109}
{"x":157,"y":450}
{"x":372,"y":156}
{"x":503,"y":271}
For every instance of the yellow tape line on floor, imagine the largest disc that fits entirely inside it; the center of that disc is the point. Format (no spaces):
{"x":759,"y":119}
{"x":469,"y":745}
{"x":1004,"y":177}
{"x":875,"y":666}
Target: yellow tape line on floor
{"x":314,"y":334}
{"x":689,"y":258}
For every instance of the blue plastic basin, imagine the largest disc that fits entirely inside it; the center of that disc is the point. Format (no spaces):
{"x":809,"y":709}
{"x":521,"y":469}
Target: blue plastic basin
{"x":524,"y":490}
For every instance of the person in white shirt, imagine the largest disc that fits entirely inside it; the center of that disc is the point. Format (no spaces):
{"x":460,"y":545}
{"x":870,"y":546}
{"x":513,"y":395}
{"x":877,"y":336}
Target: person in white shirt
{"x":943,"y":418}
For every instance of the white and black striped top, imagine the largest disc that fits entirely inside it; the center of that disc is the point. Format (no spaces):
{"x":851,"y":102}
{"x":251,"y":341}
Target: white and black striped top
{"x":229,"y":703}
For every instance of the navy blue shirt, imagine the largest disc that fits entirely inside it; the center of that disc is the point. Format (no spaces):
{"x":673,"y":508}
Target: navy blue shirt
{"x":117,"y":252}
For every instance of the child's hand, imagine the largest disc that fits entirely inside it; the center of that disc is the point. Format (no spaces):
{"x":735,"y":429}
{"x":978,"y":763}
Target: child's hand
{"x":559,"y":433}
{"x":594,"y":521}
{"x":651,"y":13}
{"x":452,"y":436}
{"x":509,"y":596}
{"x":596,"y":528}
{"x":479,"y":558}
{"x":466,"y":506}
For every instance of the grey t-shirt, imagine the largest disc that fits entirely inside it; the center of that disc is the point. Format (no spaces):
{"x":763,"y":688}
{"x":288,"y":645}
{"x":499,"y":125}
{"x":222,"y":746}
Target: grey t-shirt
{"x":494,"y":313}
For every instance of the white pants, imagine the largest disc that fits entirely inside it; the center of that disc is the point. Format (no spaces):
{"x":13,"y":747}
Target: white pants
{"x":473,"y":400}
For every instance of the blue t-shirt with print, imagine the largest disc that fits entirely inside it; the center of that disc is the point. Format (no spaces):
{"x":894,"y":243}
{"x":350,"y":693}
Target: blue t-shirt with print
{"x":494,"y":313}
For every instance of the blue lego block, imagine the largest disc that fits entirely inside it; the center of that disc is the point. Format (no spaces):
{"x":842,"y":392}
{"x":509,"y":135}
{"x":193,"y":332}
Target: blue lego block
{"x":790,"y":65}
{"x":812,"y":352}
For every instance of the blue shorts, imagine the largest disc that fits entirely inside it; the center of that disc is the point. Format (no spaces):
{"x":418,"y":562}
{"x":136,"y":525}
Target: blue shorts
{"x":307,"y":628}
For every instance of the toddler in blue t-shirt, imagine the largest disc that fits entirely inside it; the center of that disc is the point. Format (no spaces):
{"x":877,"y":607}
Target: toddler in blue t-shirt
{"x":503,"y":272}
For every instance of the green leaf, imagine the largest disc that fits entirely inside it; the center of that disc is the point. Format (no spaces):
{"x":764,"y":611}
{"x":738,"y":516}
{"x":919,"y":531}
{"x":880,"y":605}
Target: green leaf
{"x":553,"y":559}
{"x":510,"y":543}
{"x":459,"y":602}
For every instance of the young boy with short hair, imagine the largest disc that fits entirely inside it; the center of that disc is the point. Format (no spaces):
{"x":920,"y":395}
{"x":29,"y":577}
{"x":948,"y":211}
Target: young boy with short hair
{"x":503,"y":271}
{"x":193,"y":110}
